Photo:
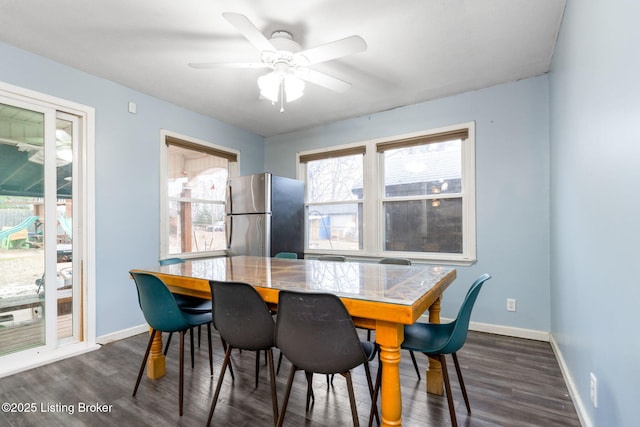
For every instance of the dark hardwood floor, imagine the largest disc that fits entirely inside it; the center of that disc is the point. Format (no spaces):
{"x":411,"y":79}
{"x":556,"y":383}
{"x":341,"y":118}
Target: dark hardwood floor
{"x":510,"y":381}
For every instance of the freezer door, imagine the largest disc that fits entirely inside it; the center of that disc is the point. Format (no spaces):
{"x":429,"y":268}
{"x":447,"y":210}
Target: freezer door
{"x":249,"y":194}
{"x":249,"y":234}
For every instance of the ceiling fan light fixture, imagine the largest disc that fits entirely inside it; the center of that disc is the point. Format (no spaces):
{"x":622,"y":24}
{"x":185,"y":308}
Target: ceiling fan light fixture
{"x":289,"y":61}
{"x":281,"y":86}
{"x":293,"y":87}
{"x":269,"y":85}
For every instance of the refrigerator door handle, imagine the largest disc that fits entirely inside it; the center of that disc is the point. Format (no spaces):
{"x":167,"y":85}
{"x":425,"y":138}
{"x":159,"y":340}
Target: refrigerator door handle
{"x":229,"y":201}
{"x":229,"y":231}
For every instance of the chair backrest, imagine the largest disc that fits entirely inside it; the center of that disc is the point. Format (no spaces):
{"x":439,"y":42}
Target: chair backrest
{"x":338,"y":258}
{"x":316,"y":333}
{"x":158,"y":305}
{"x":169,"y":261}
{"x":461,"y":324}
{"x":241,"y":316}
{"x":287,"y":255}
{"x":398,"y":261}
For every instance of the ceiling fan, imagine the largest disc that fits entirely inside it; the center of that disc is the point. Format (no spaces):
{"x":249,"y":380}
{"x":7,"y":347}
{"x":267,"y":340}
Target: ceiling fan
{"x":290,"y":64}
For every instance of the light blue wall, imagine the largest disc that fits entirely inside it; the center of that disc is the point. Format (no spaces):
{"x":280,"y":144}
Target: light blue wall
{"x":127,"y":170}
{"x":595,"y":172}
{"x":512,"y":184}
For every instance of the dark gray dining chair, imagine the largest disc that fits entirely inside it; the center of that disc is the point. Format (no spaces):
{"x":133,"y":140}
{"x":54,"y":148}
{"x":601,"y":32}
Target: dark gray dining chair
{"x":396,"y":261}
{"x":400,"y":261}
{"x":336,"y":258}
{"x":245,"y":322}
{"x":317,"y":335}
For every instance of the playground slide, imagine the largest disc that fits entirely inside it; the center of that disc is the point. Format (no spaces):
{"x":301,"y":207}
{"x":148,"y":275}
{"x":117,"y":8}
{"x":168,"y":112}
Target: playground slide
{"x":24,"y":224}
{"x":65,"y":223}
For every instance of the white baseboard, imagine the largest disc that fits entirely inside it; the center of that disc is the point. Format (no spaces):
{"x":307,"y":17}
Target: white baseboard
{"x":530,"y":334}
{"x":510,"y":331}
{"x":585,"y":420}
{"x":122,"y":334}
{"x":19,"y":362}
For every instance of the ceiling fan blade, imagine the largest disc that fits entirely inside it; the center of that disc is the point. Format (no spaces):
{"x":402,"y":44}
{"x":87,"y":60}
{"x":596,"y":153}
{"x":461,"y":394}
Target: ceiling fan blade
{"x":249,"y":31}
{"x":207,"y":65}
{"x":322,"y":79}
{"x":334,"y":50}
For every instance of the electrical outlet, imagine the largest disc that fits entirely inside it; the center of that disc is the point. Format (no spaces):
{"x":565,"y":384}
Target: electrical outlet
{"x":593,"y":389}
{"x":511,"y":304}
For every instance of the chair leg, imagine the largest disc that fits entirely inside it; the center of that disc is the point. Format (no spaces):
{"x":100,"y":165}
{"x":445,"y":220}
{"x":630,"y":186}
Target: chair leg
{"x":210,"y":350}
{"x":368,"y":334}
{"x":181,"y":378}
{"x":224,"y":346}
{"x":462,"y":387}
{"x":415,"y":364}
{"x":287,"y":392}
{"x":191,"y":342}
{"x":257,"y":366}
{"x":144,"y":361}
{"x":447,"y":386}
{"x":225,"y":362}
{"x":274,"y":393}
{"x":374,"y":404}
{"x":352,"y":399}
{"x":166,"y":346}
{"x":310,"y":396}
{"x":279,"y":363}
{"x":329,"y":380}
{"x":199,"y":330}
{"x":376,"y":390}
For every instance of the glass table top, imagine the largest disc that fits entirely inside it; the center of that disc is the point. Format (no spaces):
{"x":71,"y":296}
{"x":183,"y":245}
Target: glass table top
{"x":387,"y":283}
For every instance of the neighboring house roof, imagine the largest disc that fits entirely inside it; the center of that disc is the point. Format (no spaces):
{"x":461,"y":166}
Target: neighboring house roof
{"x":420,"y":167}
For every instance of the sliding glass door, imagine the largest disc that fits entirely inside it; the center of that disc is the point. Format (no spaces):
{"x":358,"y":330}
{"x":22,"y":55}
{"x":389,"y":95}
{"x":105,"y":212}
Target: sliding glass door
{"x":40,"y":286}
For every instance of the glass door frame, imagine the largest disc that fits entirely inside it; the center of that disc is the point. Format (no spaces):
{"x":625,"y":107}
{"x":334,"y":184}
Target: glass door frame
{"x":84,"y":306}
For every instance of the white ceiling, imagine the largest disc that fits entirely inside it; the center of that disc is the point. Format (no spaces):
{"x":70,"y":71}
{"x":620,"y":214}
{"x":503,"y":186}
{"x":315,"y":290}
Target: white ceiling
{"x":417,"y":50}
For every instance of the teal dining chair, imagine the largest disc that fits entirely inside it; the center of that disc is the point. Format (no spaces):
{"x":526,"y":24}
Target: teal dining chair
{"x":190,"y":304}
{"x":163,"y":315}
{"x":439,"y":339}
{"x":286,"y":255}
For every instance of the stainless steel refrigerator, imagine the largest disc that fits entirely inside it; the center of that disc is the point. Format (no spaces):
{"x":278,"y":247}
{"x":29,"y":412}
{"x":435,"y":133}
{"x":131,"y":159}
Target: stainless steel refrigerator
{"x":264,"y":215}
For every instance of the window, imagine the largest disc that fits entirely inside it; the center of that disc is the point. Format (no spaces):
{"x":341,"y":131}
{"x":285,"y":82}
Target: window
{"x":334,"y":199}
{"x":417,"y":190}
{"x":196,"y":175}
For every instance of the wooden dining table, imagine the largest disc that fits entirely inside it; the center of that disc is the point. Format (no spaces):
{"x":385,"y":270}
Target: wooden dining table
{"x":382,"y":297}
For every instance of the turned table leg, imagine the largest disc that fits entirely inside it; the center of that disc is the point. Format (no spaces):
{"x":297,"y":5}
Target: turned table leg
{"x":156,"y":362}
{"x":389,"y":336}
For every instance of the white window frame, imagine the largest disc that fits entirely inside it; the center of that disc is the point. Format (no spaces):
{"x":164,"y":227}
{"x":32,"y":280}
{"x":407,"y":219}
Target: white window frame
{"x":339,"y":151}
{"x":373,"y":198}
{"x":234,"y":168}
